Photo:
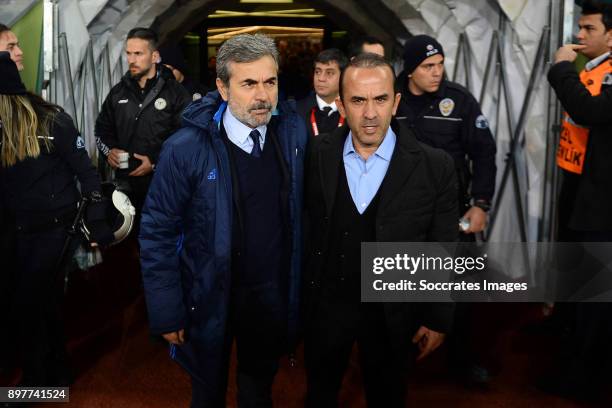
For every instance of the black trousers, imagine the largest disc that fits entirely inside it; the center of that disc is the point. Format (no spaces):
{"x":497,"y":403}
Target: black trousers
{"x":331,"y":332}
{"x":258,"y":323}
{"x":36,"y":306}
{"x":586,"y":357}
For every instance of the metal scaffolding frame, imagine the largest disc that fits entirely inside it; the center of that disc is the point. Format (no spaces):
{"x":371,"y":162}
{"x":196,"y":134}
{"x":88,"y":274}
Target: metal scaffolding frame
{"x":495,"y":72}
{"x":82,"y":94}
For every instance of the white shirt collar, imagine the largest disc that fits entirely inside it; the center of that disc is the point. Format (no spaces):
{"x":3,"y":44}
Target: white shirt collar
{"x":322,"y":104}
{"x":238,"y":132}
{"x":594,"y":63}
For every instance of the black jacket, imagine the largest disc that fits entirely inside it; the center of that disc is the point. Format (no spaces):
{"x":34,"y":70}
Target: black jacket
{"x":140,"y":120}
{"x":589,"y":194}
{"x":325,"y":125}
{"x":463,"y":133}
{"x":41,"y":193}
{"x":194,"y":88}
{"x":418,"y":202}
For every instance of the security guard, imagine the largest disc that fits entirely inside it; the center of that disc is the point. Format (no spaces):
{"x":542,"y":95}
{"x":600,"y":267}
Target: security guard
{"x":139,"y":114}
{"x":447,"y":116}
{"x":41,"y":157}
{"x":584,"y":153}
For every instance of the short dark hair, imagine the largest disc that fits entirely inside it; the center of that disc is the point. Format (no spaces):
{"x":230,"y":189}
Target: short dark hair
{"x":590,"y":7}
{"x":366,"y":60}
{"x":356,"y":46}
{"x":332,"y":55}
{"x":4,"y":28}
{"x":145,"y":34}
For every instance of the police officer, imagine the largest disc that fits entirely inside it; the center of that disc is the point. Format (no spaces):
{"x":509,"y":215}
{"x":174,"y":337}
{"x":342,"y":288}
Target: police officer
{"x":41,"y":154}
{"x":445,"y":115}
{"x":448,"y":117}
{"x":139,"y":114}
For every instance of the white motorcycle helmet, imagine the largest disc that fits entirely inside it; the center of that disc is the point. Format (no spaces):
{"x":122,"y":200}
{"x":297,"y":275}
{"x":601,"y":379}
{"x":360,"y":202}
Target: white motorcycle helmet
{"x":120,"y":215}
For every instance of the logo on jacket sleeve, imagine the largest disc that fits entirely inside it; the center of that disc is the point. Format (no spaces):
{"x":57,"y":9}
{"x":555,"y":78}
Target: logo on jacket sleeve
{"x":80,"y":143}
{"x":160,"y":104}
{"x":446,"y":106}
{"x":607,"y":80}
{"x":212,"y":175}
{"x":482,"y":122}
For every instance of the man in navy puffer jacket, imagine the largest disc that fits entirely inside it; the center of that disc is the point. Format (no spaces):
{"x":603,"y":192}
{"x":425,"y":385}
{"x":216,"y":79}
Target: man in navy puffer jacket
{"x":221,"y":230}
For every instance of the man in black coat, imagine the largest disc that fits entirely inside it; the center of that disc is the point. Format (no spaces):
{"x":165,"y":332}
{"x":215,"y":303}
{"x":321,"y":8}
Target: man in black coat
{"x":139,"y":114}
{"x":370,"y":181}
{"x":319,"y":109}
{"x":586,"y":217}
{"x":586,"y":196}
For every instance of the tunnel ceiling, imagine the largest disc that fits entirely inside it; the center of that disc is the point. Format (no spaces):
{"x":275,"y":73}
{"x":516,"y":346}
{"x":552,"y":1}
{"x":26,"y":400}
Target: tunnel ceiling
{"x":371,"y":17}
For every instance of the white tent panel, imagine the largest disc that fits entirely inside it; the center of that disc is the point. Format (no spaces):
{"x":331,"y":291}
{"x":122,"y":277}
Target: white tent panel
{"x":91,"y":8}
{"x":73,"y":23}
{"x":13,"y":10}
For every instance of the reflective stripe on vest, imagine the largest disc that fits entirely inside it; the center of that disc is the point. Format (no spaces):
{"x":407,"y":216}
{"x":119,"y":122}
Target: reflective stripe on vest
{"x":574,"y":138}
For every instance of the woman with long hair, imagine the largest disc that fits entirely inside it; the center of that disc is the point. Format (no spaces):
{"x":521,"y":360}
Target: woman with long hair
{"x":42,"y":156}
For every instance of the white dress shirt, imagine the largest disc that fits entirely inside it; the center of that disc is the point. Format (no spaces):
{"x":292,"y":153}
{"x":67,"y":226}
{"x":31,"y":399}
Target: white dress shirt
{"x":239,"y":133}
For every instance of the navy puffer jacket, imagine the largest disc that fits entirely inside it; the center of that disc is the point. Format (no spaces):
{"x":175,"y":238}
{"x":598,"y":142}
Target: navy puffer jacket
{"x":186,"y":227}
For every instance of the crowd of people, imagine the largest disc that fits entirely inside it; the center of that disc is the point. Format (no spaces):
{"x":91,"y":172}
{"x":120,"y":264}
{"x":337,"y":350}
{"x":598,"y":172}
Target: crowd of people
{"x":251,"y":207}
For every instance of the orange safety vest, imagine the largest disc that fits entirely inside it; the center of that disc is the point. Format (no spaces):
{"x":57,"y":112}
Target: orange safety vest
{"x":574,"y":138}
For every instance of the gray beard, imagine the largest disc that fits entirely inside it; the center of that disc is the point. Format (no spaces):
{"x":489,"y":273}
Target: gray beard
{"x":246,"y":119}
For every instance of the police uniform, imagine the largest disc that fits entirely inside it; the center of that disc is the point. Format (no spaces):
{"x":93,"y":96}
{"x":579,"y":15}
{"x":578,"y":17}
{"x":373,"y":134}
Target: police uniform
{"x":139,"y":120}
{"x":451,"y":119}
{"x":40,"y":197}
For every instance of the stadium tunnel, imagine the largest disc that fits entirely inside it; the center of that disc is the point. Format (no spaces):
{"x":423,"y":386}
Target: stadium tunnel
{"x":328,"y":23}
{"x":499,"y":49}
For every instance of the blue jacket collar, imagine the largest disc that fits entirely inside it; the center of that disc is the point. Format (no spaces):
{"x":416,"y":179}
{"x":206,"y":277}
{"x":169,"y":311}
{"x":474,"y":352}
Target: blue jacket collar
{"x":208,"y":111}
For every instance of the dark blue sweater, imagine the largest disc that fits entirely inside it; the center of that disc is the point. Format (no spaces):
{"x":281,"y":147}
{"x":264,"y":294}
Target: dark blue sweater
{"x":259,"y":244}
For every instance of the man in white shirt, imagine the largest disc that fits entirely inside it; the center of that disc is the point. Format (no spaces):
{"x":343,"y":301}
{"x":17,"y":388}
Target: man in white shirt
{"x":319,"y":109}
